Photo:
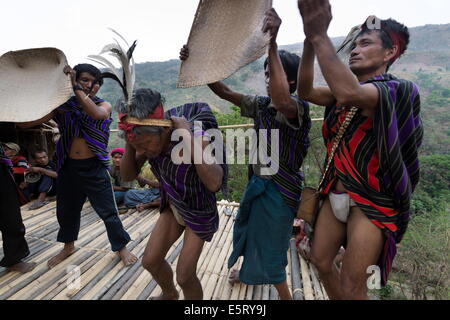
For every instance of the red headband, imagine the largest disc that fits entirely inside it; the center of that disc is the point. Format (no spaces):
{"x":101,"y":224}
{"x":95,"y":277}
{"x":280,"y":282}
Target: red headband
{"x":118,"y":150}
{"x":399,"y":41}
{"x":128,"y":127}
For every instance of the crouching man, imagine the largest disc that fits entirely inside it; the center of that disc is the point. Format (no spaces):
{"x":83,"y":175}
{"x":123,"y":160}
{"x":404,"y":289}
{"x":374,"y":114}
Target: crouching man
{"x":188,"y":201}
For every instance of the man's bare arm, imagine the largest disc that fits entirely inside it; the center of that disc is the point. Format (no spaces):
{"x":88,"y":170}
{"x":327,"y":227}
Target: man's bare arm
{"x":321,"y":96}
{"x":224,"y":92}
{"x":345,"y":87}
{"x":131,"y":164}
{"x":219,"y":88}
{"x":31,"y":124}
{"x":50,"y":173}
{"x":278,"y":83}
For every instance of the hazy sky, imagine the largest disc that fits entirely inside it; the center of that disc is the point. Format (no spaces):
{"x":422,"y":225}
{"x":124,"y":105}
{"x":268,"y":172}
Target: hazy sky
{"x":79,"y":28}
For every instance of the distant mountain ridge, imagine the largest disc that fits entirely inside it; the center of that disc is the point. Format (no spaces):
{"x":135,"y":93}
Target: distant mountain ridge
{"x":429,"y":52}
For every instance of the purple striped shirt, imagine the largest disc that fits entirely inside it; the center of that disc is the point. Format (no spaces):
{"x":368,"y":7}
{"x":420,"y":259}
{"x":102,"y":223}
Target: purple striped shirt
{"x":74,"y":122}
{"x":293,"y":142}
{"x":180,"y":183}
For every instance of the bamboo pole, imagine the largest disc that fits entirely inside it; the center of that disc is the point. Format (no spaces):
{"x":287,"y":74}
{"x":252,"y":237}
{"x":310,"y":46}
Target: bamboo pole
{"x":24,"y":279}
{"x":289,"y":273}
{"x":39,"y":278}
{"x":235,"y":126}
{"x":136,"y":288}
{"x":325,"y":295}
{"x":218,"y":265}
{"x":273,"y":293}
{"x":296,"y":273}
{"x":239,"y":287}
{"x":106,"y":263}
{"x":306,"y":277}
{"x":116,"y":283}
{"x":31,"y":280}
{"x":243,"y":291}
{"x":47,"y":280}
{"x":250,"y":290}
{"x":112,"y":277}
{"x":216,"y":245}
{"x":265,"y":292}
{"x":103,"y":280}
{"x":61,"y":284}
{"x":223,"y":282}
{"x":257,"y":292}
{"x":317,"y":286}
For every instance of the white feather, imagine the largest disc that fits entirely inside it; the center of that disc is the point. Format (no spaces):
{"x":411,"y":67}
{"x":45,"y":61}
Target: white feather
{"x":119,"y":36}
{"x":106,"y":63}
{"x":118,"y":52}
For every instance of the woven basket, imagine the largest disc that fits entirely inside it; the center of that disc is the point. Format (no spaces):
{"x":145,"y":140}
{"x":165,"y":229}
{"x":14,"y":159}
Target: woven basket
{"x":32,"y":84}
{"x":225,"y":36}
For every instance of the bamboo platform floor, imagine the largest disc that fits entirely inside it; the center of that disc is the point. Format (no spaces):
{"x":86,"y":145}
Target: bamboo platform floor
{"x":102,"y":276}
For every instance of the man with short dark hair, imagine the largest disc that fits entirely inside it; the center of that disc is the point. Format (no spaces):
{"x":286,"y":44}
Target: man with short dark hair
{"x":266,"y":214}
{"x":368,"y":188}
{"x":46,"y":185}
{"x":82,"y":162}
{"x":125,"y":192}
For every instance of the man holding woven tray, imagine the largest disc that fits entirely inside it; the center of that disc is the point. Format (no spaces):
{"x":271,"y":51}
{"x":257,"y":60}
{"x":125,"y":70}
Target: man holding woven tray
{"x":264,"y":223}
{"x":374,"y":168}
{"x":188,"y":201}
{"x":82,"y":164}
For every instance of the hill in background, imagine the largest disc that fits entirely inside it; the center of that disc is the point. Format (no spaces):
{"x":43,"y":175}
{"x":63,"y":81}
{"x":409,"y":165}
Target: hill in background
{"x":427,"y":63}
{"x":429,"y":52}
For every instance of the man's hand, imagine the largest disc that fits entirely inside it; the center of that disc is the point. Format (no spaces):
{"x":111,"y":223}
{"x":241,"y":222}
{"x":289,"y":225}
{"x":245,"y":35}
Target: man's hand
{"x":94,"y":90}
{"x":181,"y":123}
{"x":184,"y":53}
{"x":72,"y":73}
{"x":34,"y":169}
{"x":141,"y":207}
{"x":316,"y":15}
{"x":272,"y":24}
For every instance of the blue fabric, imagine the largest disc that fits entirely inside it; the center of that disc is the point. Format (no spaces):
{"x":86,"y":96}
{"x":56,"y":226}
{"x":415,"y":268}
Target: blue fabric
{"x":135,"y":197}
{"x":261,"y":234}
{"x":81,"y":179}
{"x":45,"y":184}
{"x":119,"y":196}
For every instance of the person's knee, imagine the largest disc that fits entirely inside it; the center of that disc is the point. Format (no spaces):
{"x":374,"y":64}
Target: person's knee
{"x":352,"y":285}
{"x":185,"y":277}
{"x":323,"y":265}
{"x":151,"y":264}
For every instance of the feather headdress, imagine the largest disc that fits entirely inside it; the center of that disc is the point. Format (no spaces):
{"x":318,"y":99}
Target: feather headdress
{"x":125,"y":58}
{"x":347,"y":45}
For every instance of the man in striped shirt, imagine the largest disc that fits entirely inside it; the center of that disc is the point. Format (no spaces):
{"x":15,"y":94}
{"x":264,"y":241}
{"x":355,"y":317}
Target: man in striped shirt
{"x":264,"y":223}
{"x":82,"y":162}
{"x":375,"y":169}
{"x":188,"y":201}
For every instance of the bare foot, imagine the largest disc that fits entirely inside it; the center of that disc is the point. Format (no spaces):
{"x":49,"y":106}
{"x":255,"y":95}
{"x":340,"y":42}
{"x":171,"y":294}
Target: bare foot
{"x":171,"y":296}
{"x":66,"y":252}
{"x":234,"y":277}
{"x":127,"y":257}
{"x":23,"y":267}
